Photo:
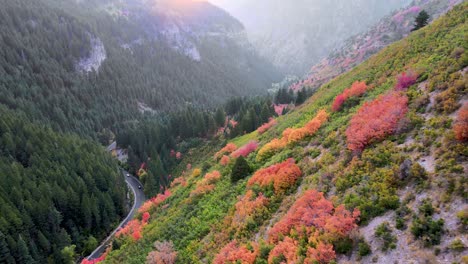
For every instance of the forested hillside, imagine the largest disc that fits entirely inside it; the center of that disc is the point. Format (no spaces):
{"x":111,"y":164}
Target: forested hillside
{"x":372,"y":168}
{"x":59,"y":195}
{"x":92,"y":66}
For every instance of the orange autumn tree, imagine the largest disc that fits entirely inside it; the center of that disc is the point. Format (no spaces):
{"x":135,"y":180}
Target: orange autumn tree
{"x":234,"y":253}
{"x":247,"y":209}
{"x":281,"y":176}
{"x":323,"y":253}
{"x":461,"y":124}
{"x":285,"y":250}
{"x":228,"y":149}
{"x":224,"y":160}
{"x":317,"y":216}
{"x":292,"y":135}
{"x":207,"y":184}
{"x":356,"y":90}
{"x":375,"y":120}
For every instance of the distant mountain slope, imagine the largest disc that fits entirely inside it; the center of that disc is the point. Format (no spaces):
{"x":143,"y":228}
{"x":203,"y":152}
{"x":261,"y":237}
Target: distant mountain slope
{"x":368,"y":170}
{"x":360,"y":47}
{"x":85,"y":66}
{"x":297,"y":34}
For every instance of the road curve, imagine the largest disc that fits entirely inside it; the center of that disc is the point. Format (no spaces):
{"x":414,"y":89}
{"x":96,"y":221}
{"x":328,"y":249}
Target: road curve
{"x":139,"y":199}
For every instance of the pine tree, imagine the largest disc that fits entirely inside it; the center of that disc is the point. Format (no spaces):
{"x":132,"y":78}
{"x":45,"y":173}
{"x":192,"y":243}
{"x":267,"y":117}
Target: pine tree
{"x":421,"y":20}
{"x":220,"y":117}
{"x":240,"y":170}
{"x":5,"y":255}
{"x":23,"y":252}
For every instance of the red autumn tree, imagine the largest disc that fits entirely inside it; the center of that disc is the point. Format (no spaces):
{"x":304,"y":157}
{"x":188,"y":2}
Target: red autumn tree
{"x":154,"y":202}
{"x":375,"y":120}
{"x":323,"y":253}
{"x":356,"y":89}
{"x":136,"y":235}
{"x":234,"y":253}
{"x":265,"y":127}
{"x":284,"y":250}
{"x":461,"y":124}
{"x":405,"y":80}
{"x":245,"y":150}
{"x":313,"y":212}
{"x":145,"y":217}
{"x":281,"y":176}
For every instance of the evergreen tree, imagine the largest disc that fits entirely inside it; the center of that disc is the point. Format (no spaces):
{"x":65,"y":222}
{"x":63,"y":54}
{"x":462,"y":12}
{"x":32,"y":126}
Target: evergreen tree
{"x":421,"y":20}
{"x":23,"y":252}
{"x":240,"y":170}
{"x":5,"y":255}
{"x":220,"y":117}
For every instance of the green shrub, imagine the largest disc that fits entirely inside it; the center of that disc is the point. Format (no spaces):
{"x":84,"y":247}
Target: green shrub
{"x":364,"y":249}
{"x":240,"y":170}
{"x":384,"y":231}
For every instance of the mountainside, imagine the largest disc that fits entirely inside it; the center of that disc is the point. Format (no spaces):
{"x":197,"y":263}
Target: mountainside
{"x":372,"y":168}
{"x":296,"y":34}
{"x":59,"y":195}
{"x":87,"y":66}
{"x":360,"y":47}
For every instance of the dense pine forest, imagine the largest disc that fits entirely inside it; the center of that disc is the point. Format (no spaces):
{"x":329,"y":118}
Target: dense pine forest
{"x":59,"y":194}
{"x":40,"y":73}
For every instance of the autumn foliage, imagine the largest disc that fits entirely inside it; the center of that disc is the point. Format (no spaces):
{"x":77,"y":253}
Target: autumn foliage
{"x":245,"y":150}
{"x":291,"y":135}
{"x":164,"y":253}
{"x":247,"y":208}
{"x":375,"y":120}
{"x":234,"y":253}
{"x":228,"y":149}
{"x":281,"y":176}
{"x":323,"y":253}
{"x":225,"y":160}
{"x":313,"y":213}
{"x":265,"y":127}
{"x":133,"y":229}
{"x":207,"y":184}
{"x":179,"y":181}
{"x":461,"y":125}
{"x":286,"y":249}
{"x":405,"y":80}
{"x":357,"y":89}
{"x":154,"y":202}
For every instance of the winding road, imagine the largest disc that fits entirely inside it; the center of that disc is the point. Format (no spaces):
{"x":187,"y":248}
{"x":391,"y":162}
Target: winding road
{"x":139,"y":199}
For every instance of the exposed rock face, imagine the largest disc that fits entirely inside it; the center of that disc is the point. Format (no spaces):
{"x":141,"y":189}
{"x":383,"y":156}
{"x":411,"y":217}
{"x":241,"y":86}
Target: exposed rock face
{"x":358,"y":48}
{"x":96,"y":57}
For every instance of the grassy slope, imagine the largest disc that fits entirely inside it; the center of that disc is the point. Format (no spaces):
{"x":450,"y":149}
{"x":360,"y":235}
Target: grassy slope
{"x":193,"y":223}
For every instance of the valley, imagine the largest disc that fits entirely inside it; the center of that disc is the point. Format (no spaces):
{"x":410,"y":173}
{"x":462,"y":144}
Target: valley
{"x":178,"y":131}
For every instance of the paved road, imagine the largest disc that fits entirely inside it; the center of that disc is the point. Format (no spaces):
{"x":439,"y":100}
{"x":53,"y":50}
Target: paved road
{"x":139,"y":197}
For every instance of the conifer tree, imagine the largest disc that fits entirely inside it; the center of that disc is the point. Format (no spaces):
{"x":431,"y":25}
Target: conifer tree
{"x":421,"y":20}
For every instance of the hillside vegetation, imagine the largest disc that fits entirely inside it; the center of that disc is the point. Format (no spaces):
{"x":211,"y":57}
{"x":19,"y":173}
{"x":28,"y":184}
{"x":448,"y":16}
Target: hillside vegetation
{"x":380,"y":178}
